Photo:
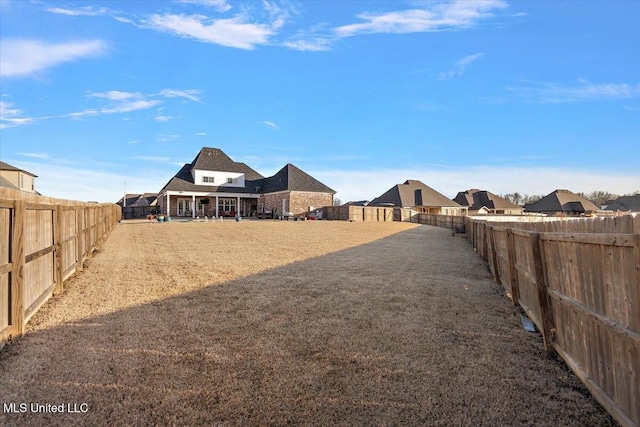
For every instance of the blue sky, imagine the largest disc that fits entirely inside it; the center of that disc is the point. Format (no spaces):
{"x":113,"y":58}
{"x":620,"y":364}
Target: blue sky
{"x":506,"y":96}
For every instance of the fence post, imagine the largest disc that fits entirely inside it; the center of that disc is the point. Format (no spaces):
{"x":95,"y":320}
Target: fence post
{"x":79,"y":237}
{"x":494,"y":256}
{"x":513,"y":272}
{"x":57,"y":252}
{"x":485,"y":241}
{"x":17,"y":269}
{"x":543,"y":297}
{"x":453,"y":230}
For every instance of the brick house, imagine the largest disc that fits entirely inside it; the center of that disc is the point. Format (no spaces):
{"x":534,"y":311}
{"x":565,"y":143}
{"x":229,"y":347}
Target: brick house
{"x":214,"y":185}
{"x":416,"y":195}
{"x":562,"y":202}
{"x":482,"y":202}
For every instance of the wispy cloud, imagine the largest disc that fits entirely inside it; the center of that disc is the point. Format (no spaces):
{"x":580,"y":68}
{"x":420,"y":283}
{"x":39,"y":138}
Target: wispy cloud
{"x":23,"y":57}
{"x":125,"y":102}
{"x":584,"y":91}
{"x":315,"y":44}
{"x":80,"y":11}
{"x":232,"y":32}
{"x":35,"y":155}
{"x":218,"y":5}
{"x":153,"y":158}
{"x":439,"y":16}
{"x":167,"y":138}
{"x":190,"y":94}
{"x":200,"y":133}
{"x":270,"y":124}
{"x":460,"y":66}
{"x":434,"y":16}
{"x":11,"y":116}
{"x":121,"y":102}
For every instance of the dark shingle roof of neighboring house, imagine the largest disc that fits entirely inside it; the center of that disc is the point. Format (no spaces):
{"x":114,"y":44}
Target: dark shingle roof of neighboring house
{"x":404,"y":195}
{"x":7,"y":167}
{"x":291,"y":178}
{"x":5,"y":183}
{"x":214,"y":159}
{"x":625,"y":203}
{"x":562,"y":201}
{"x":146,"y":199}
{"x":475,"y":199}
{"x":357,"y":203}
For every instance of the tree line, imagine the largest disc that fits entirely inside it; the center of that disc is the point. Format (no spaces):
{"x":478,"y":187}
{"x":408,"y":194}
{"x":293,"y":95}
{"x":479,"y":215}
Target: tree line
{"x":598,"y":197}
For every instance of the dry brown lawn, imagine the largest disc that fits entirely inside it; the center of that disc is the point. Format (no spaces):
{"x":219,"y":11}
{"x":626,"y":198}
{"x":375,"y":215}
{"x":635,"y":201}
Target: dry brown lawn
{"x":299,"y":323}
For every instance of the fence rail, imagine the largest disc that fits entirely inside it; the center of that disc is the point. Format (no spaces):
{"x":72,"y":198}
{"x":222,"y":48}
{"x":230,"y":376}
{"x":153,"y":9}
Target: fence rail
{"x":579,"y":282}
{"x":43,"y":241}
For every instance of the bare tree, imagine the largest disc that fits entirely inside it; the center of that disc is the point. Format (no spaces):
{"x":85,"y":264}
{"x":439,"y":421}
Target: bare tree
{"x":599,"y":197}
{"x":527,"y":199}
{"x":337,"y":201}
{"x":515,"y":198}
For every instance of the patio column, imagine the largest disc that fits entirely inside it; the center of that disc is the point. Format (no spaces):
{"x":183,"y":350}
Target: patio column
{"x":238,"y":207}
{"x":168,"y":205}
{"x":217,"y":213}
{"x":193,"y":206}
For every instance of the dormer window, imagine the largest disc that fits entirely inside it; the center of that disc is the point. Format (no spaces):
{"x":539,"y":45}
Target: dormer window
{"x":208,"y":179}
{"x":230,"y":180}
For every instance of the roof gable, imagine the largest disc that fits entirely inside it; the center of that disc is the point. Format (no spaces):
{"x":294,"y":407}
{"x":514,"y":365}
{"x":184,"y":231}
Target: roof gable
{"x":405,"y":195}
{"x":625,"y":203}
{"x":292,"y":178}
{"x":562,"y":201}
{"x":7,"y":167}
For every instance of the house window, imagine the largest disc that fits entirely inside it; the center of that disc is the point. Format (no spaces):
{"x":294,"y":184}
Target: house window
{"x":21,"y":181}
{"x":418,"y":197}
{"x":229,"y":180}
{"x":226,"y":205}
{"x":209,"y":179}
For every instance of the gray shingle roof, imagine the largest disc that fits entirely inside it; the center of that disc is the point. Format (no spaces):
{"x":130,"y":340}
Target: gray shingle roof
{"x":475,"y":199}
{"x":562,"y":201}
{"x":404,"y":195}
{"x":625,"y":203}
{"x":146,"y":199}
{"x":291,"y":178}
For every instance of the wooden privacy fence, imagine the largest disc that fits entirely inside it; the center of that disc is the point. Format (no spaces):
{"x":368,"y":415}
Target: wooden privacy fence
{"x":579,"y":282}
{"x":43,"y":241}
{"x":358,"y":213}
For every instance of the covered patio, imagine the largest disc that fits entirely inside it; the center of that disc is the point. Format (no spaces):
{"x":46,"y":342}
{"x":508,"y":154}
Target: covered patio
{"x":213,"y":205}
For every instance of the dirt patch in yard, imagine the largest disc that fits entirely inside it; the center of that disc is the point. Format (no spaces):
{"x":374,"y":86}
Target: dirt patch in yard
{"x":273,"y":323}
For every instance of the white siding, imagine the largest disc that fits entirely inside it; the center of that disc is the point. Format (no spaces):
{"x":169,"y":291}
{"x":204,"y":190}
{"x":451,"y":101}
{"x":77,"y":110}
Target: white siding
{"x":220,"y":178}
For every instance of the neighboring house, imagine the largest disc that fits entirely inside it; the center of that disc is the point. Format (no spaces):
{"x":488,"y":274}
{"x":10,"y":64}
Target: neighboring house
{"x":623,"y":204}
{"x":138,"y":200}
{"x":357,"y":203}
{"x":17,"y":179}
{"x":482,"y":202}
{"x":215,"y":185}
{"x":416,"y":195}
{"x":562,"y":202}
